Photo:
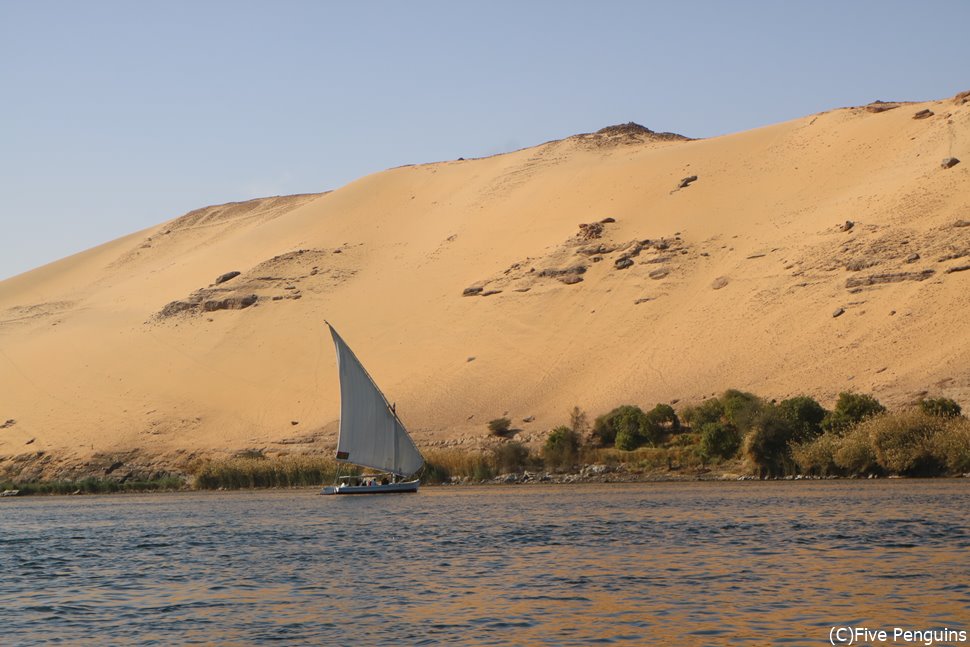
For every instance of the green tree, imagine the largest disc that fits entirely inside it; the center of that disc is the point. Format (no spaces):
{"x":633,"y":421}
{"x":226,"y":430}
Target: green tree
{"x":741,"y":408}
{"x":633,"y":428}
{"x":719,"y":440}
{"x":804,"y":414}
{"x":627,"y":419}
{"x":561,"y":448}
{"x":710,"y":410}
{"x":664,"y":416}
{"x":851,"y":409}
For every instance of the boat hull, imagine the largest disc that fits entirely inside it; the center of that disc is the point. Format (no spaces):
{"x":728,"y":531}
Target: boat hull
{"x":378,"y":488}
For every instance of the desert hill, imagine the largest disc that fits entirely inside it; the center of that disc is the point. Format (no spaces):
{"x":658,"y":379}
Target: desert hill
{"x":823,"y":254}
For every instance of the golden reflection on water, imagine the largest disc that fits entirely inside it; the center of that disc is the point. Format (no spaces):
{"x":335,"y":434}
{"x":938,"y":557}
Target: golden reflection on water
{"x":673,"y":563}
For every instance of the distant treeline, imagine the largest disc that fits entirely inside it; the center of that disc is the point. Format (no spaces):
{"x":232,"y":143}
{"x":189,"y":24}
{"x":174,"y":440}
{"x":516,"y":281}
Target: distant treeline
{"x":859,"y":436}
{"x":766,"y":438}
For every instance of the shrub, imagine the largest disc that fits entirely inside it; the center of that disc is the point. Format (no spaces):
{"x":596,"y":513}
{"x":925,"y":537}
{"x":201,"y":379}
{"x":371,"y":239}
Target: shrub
{"x":499,"y":426}
{"x":766,"y":445}
{"x":951,"y":446}
{"x":817,"y":455}
{"x":903,"y":442}
{"x":855,"y":454}
{"x":940,"y":407}
{"x":685,"y":440}
{"x":510,"y":457}
{"x":561,"y":448}
{"x":626,"y":440}
{"x":719,"y":440}
{"x":804,"y":414}
{"x":851,"y":408}
{"x":909,"y":442}
{"x":626,"y":426}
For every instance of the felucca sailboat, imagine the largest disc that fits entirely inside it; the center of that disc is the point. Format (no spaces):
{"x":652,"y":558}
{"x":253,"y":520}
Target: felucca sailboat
{"x":371,"y":435}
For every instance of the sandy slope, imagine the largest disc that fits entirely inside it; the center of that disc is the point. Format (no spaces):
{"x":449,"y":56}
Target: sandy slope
{"x":749,"y":264}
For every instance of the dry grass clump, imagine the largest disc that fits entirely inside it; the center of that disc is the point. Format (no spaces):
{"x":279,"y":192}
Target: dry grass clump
{"x":952,"y":447}
{"x":818,"y":456}
{"x":855,"y":454}
{"x":674,"y":456}
{"x":910,"y":442}
{"x":903,"y":443}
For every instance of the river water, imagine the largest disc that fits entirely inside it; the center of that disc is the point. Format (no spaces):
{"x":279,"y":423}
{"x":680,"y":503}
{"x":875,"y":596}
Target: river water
{"x":636,"y":564}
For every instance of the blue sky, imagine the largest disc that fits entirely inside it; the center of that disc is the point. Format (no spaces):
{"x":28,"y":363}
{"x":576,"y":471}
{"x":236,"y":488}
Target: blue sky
{"x":115,"y":116}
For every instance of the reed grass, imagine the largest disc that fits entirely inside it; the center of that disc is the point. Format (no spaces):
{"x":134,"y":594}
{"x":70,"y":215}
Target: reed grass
{"x":94,"y":486}
{"x":278,"y":471}
{"x":443,"y":464}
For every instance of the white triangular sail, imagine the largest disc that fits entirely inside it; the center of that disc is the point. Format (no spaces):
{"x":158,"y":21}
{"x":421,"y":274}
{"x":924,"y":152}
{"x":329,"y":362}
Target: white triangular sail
{"x":370,"y":434}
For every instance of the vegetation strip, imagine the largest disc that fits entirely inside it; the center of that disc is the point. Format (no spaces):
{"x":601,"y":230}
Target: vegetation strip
{"x":734,"y":432}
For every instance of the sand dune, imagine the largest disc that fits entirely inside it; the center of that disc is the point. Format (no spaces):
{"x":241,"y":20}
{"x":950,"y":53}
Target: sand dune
{"x":731,"y":280}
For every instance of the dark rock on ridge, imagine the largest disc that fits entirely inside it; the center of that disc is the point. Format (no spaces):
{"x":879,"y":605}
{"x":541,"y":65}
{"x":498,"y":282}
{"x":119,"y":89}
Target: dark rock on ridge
{"x":888,"y":277}
{"x":229,"y":303}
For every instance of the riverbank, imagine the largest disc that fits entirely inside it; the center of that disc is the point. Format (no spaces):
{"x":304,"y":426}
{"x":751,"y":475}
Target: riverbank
{"x":587,"y":474}
{"x":606,"y":474}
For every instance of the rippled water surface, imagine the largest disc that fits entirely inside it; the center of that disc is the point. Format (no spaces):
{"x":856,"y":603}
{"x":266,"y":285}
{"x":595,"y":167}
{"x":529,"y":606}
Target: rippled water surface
{"x":682,"y":563}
